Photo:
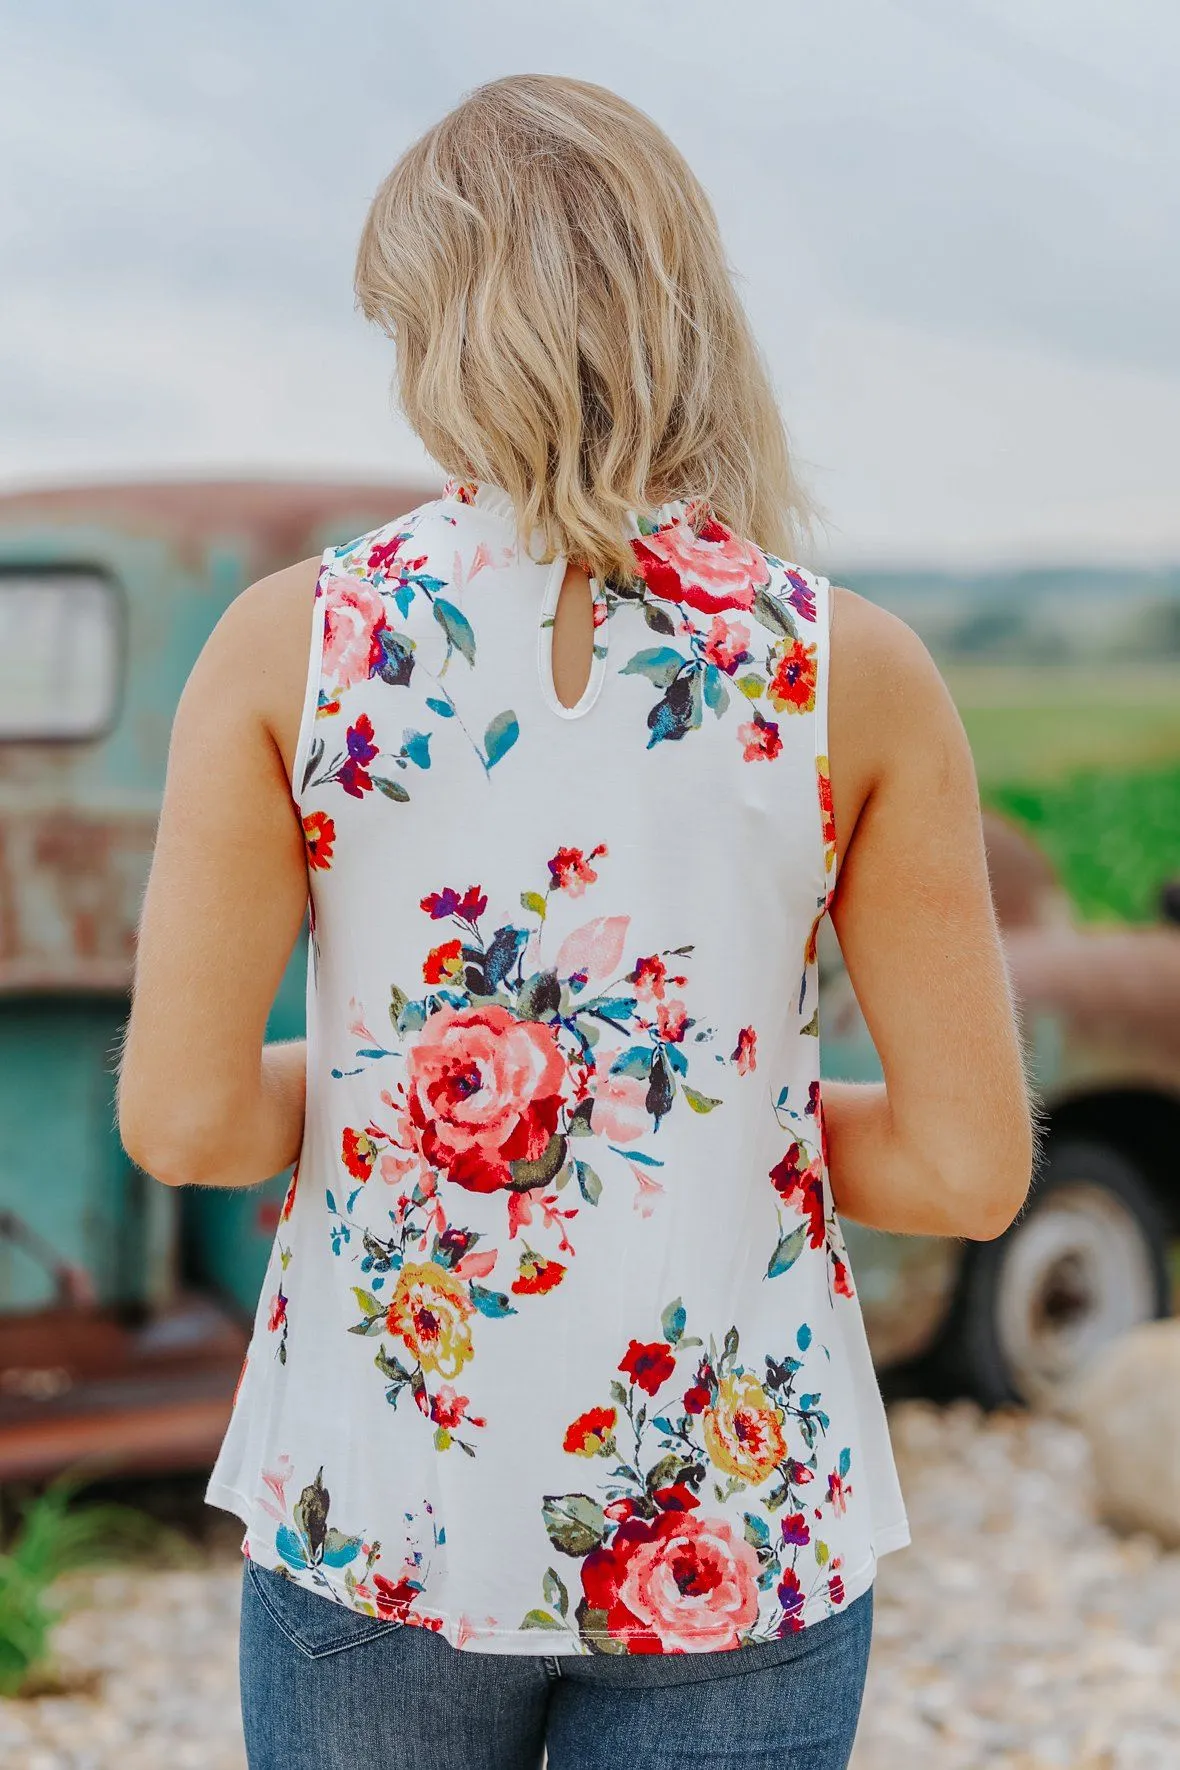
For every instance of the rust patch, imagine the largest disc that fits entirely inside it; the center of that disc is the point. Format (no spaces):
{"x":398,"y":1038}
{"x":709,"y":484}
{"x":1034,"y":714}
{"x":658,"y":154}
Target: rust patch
{"x":70,"y":888}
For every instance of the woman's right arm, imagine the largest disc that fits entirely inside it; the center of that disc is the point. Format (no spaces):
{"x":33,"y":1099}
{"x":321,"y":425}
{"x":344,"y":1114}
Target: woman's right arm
{"x":945,"y":1146}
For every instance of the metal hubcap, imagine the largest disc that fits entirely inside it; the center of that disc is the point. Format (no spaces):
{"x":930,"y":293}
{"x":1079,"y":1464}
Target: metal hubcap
{"x":1076,"y":1274}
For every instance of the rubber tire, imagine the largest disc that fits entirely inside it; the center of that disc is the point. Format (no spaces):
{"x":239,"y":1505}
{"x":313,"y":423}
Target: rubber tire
{"x":969,"y":1358}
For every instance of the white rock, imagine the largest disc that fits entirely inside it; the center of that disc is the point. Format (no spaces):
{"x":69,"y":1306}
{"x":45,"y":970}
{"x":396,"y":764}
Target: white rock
{"x":1129,"y":1409}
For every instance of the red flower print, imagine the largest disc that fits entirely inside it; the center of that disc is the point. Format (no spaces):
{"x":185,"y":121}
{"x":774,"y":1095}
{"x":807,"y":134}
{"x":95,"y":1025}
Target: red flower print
{"x":802,"y":1187}
{"x":727,"y":645}
{"x":827,"y":813}
{"x":790,"y":1596}
{"x":443,"y":962}
{"x":319,"y":833}
{"x":359,"y":739}
{"x":448,"y":1409}
{"x":384,"y":555}
{"x":648,"y":1363}
{"x":672,"y":1021}
{"x":802,"y":595}
{"x":571,"y":871}
{"x":745,"y":1053}
{"x":278,"y":1312}
{"x":484,"y":1090}
{"x":289,"y":1195}
{"x":355,"y":780}
{"x":678,"y":1497}
{"x":796,"y":1529}
{"x":760,"y":740}
{"x":393,"y":1599}
{"x":649,"y":976}
{"x":710,"y":571}
{"x":678,"y":1583}
{"x":358,"y":1152}
{"x":792,"y":687}
{"x":537,"y":1275}
{"x":841,"y":1278}
{"x":440,"y":906}
{"x":838,"y":1491}
{"x":836,"y":1589}
{"x":700,"y":1395}
{"x":591,"y":1432}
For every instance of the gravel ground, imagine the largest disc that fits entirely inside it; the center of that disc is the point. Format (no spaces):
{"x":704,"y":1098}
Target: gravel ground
{"x":1015,"y":1631}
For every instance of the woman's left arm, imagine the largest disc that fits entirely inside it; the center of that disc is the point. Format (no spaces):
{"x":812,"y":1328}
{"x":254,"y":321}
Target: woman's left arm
{"x":202,"y":1099}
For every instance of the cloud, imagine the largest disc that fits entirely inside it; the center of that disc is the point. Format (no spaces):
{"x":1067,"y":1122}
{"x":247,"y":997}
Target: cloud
{"x":951,"y":227}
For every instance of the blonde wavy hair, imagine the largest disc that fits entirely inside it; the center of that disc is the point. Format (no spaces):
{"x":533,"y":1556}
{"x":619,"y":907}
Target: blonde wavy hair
{"x":566,"y":324}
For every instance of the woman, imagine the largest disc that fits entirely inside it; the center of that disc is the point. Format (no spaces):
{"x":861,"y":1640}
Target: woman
{"x":558,"y":1429}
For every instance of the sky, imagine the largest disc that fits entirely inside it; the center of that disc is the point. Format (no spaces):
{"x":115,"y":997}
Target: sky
{"x":954,"y":227}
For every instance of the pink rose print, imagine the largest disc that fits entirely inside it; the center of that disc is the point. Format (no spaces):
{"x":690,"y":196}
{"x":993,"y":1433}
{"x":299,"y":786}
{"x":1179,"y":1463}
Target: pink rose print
{"x":678,"y":1584}
{"x":353,"y":617}
{"x":760,"y":740}
{"x":484,"y":1090}
{"x":711,"y":571}
{"x":620,"y":1104}
{"x":727,"y":645}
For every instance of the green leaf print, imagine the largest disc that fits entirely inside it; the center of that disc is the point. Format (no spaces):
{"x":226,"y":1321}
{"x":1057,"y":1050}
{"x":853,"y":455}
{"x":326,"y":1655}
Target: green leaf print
{"x":311,"y":1513}
{"x":698,"y":1102}
{"x":540,"y":1619}
{"x":769,"y":612}
{"x":575,"y":1522}
{"x":555,"y":1593}
{"x":391,"y":789}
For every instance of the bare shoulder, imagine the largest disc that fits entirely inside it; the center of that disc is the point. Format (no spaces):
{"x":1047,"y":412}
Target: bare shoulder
{"x":888,"y":706}
{"x":254,"y":664}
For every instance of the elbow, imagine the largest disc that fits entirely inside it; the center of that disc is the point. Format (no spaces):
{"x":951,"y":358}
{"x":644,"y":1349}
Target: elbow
{"x":175,"y":1149}
{"x":994,"y":1195}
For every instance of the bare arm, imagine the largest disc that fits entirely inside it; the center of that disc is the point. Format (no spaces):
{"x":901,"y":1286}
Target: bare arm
{"x":945,"y":1145}
{"x":201,"y":1099}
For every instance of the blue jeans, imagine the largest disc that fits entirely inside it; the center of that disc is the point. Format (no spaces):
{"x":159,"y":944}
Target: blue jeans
{"x":324,"y":1688}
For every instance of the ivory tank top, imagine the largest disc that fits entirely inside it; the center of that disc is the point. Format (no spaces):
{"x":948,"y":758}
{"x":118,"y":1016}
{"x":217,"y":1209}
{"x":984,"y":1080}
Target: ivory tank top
{"x":559,"y":1349}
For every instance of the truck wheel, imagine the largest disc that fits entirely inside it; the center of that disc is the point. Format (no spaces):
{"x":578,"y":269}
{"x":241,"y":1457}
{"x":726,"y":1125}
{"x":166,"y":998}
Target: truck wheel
{"x":1086,"y":1262}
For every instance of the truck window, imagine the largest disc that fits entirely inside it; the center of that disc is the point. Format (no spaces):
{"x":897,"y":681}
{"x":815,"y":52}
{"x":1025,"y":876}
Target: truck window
{"x":60,"y":654}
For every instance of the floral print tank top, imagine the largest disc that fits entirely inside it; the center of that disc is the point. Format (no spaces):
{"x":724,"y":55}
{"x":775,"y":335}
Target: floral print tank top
{"x":559,"y":1350}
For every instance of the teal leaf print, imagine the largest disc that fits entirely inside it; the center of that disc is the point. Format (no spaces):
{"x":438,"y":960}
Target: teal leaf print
{"x":787,"y":1252}
{"x":660,"y":664}
{"x":575,"y":1522}
{"x":716,"y":693}
{"x":416,"y":748}
{"x":444,"y":709}
{"x":672,"y":1321}
{"x":678,"y":710}
{"x":456,"y":626}
{"x":500,"y":736}
{"x":635,"y":1062}
{"x":491,"y":1303}
{"x":589,"y":1185}
{"x":339,"y":1549}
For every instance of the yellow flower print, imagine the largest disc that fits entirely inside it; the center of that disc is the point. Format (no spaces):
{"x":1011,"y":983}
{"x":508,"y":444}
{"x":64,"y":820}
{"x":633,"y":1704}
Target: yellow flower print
{"x":430,"y":1312}
{"x":744,"y":1429}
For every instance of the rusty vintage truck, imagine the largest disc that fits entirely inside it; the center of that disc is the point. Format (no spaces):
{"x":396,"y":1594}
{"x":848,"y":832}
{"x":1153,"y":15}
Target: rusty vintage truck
{"x":124,"y":1306}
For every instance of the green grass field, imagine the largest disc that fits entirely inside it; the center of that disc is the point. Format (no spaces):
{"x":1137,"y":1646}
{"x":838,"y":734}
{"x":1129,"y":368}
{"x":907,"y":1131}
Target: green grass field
{"x":1089,"y":763}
